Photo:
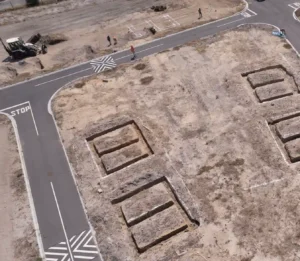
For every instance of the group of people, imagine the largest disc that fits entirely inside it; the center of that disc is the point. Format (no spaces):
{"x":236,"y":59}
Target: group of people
{"x":109,"y":40}
{"x":132,"y":49}
{"x":116,"y":42}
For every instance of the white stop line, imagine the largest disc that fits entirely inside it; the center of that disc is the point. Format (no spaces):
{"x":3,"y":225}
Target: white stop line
{"x":23,"y":108}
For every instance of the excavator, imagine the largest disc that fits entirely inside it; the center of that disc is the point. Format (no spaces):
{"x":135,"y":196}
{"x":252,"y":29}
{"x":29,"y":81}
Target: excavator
{"x":18,"y":49}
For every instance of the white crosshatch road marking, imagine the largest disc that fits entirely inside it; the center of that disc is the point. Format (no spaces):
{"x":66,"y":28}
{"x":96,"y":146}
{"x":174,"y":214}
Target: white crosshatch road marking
{"x":295,"y":6}
{"x":82,"y":248}
{"x":103,"y":63}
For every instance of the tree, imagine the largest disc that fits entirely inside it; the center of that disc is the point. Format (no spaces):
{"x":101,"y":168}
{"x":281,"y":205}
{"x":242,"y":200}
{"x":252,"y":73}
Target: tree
{"x":32,"y":2}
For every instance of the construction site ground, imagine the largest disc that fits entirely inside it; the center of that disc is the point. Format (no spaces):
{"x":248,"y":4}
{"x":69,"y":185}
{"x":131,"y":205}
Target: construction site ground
{"x":17,"y":235}
{"x":193,"y":153}
{"x":87,"y":23}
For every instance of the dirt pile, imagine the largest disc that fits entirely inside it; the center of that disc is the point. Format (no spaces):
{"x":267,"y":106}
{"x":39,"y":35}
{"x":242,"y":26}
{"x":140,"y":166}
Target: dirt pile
{"x":7,"y":74}
{"x":20,"y":70}
{"x":72,"y":56}
{"x":52,"y":39}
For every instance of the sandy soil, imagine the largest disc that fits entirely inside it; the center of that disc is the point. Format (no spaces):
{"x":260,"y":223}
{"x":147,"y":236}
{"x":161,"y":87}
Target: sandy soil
{"x":213,"y":143}
{"x":17,"y":235}
{"x":87,"y":35}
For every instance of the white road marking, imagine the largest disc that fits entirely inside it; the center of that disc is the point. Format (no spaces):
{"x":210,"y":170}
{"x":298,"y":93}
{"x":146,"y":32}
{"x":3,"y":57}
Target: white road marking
{"x":92,"y":155}
{"x":22,"y":110}
{"x":33,"y":119}
{"x":62,"y":77}
{"x":245,"y":14}
{"x":87,"y":243}
{"x":79,"y":247}
{"x":133,"y":30}
{"x":103,"y":63}
{"x":171,"y":20}
{"x":290,"y":5}
{"x":70,"y":167}
{"x":295,"y":6}
{"x":14,"y":106}
{"x":62,"y":222}
{"x":231,"y":22}
{"x":82,"y":246}
{"x":251,"y":11}
{"x":140,"y":51}
{"x":74,"y":243}
{"x":84,"y":257}
{"x":151,"y":23}
{"x":59,"y":248}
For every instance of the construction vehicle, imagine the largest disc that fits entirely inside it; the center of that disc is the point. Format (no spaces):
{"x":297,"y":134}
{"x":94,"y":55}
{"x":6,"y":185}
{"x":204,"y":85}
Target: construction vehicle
{"x":18,"y":49}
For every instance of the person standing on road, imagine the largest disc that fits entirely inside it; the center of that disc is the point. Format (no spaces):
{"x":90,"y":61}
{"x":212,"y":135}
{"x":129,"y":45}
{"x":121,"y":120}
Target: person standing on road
{"x":283,"y":33}
{"x":133,"y":52}
{"x":108,"y":39}
{"x":200,"y":13}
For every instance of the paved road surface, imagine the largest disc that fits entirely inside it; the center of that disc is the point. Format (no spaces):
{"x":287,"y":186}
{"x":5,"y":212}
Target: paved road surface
{"x":6,"y":4}
{"x":62,"y":222}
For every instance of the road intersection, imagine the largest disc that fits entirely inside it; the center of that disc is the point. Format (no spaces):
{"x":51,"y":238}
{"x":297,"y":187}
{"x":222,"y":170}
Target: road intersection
{"x":61,"y":223}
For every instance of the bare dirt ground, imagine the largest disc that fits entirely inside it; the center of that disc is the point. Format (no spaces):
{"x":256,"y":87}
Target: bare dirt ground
{"x":203,"y":134}
{"x":87,"y":26}
{"x":17,"y":235}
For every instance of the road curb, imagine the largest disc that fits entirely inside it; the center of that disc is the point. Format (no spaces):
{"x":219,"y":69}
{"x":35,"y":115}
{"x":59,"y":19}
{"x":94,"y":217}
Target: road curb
{"x":295,"y":16}
{"x":49,"y":108}
{"x":276,"y":27}
{"x":28,"y":188}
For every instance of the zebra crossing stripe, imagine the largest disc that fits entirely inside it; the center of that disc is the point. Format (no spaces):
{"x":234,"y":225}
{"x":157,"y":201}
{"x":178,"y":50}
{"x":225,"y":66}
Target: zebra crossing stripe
{"x":103,"y":63}
{"x":57,"y":256}
{"x":82,"y":248}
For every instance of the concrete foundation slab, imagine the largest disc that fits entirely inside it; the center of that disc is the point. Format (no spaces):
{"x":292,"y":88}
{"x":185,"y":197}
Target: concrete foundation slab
{"x":121,"y":158}
{"x":273,"y":91}
{"x":146,"y":203}
{"x":266,"y":77}
{"x":116,"y":139}
{"x":288,"y":129}
{"x":293,"y":149}
{"x":158,"y":228}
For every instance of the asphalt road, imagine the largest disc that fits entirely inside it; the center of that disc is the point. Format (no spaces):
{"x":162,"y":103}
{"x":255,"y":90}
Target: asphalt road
{"x":63,"y":225}
{"x":7,"y":4}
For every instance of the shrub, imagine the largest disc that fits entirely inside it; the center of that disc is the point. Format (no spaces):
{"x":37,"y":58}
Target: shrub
{"x":32,"y":2}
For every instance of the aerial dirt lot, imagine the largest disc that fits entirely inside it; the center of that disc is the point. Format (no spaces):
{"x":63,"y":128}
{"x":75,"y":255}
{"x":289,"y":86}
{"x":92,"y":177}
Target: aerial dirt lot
{"x":87,"y":26}
{"x":17,"y":235}
{"x":193,"y":153}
